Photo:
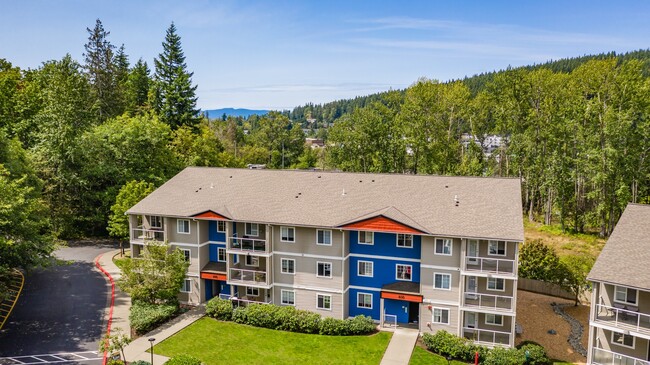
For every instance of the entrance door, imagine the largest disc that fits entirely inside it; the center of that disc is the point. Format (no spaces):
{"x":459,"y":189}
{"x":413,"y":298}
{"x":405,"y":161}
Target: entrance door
{"x":471,"y":320}
{"x":472,"y":251}
{"x":414,"y":312}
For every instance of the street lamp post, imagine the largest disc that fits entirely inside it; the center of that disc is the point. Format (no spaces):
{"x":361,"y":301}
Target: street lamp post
{"x":151,"y":340}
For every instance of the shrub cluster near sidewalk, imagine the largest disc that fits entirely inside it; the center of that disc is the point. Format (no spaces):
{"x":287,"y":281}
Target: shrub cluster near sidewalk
{"x":144,"y":316}
{"x":446,"y":344}
{"x":287,"y":318}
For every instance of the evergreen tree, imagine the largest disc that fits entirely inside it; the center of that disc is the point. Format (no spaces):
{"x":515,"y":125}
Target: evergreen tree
{"x":137,"y":87}
{"x":175,"y":99}
{"x":101,"y":71}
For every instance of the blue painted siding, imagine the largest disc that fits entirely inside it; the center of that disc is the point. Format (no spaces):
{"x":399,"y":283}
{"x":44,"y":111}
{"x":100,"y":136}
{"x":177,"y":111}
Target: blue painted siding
{"x":221,"y":288}
{"x":384,"y":272}
{"x":213,"y":235}
{"x":398,"y":308}
{"x":354,"y":311}
{"x":385,"y":245}
{"x":214,"y":254}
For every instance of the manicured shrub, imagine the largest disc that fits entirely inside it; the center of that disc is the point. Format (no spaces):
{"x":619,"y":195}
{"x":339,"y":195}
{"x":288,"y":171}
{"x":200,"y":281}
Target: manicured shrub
{"x":334,"y":327}
{"x":220,"y":309}
{"x":536,"y":354}
{"x":501,"y":356}
{"x":114,"y":362}
{"x":287,"y":320}
{"x":145,"y":317}
{"x":446,"y":344}
{"x":239,"y":315}
{"x":308,"y":322}
{"x":360,"y":325}
{"x":140,"y":362}
{"x":262,"y":315}
{"x":183,"y":360}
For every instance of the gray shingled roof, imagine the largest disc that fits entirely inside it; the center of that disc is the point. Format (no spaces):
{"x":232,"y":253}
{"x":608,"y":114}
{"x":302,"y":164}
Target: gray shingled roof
{"x":625,"y":259}
{"x":487,"y":207}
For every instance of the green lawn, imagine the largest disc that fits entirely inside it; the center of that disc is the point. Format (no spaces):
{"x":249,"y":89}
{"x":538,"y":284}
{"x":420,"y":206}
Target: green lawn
{"x":421,"y":356}
{"x":216,"y":342}
{"x":119,"y":261}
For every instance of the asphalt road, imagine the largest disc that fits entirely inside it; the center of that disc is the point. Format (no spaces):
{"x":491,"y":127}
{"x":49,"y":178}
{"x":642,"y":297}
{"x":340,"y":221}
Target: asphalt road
{"x":61,"y":309}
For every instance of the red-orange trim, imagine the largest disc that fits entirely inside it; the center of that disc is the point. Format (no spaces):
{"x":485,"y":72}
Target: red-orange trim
{"x":212,"y":276}
{"x":382,"y":224}
{"x":400,"y":296}
{"x":210,"y":215}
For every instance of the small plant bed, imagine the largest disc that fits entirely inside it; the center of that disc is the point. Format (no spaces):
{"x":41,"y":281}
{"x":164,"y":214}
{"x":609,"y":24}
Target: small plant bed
{"x":422,"y":356}
{"x":120,"y":260}
{"x":216,"y":342}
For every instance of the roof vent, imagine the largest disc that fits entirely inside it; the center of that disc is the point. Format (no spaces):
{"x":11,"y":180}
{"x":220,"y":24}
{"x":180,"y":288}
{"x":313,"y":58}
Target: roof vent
{"x":319,"y":176}
{"x":373,"y":180}
{"x":446,"y":186}
{"x":360,"y":180}
{"x":456,"y":200}
{"x":211,"y":185}
{"x":344,"y":193}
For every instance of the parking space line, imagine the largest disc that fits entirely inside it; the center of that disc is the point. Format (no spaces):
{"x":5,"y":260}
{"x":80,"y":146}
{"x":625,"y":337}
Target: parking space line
{"x":35,"y":359}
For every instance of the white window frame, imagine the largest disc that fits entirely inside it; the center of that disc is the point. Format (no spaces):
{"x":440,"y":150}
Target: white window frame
{"x":494,"y":316}
{"x":224,"y":226}
{"x":282,"y":266}
{"x":153,"y":218}
{"x":623,"y":344}
{"x":505,"y":248}
{"x":441,"y":274}
{"x":495,"y":281}
{"x":372,"y":268}
{"x":254,"y":261}
{"x":365,"y":235}
{"x":325,"y":231}
{"x":187,"y":253}
{"x":249,"y":231}
{"x":444,"y":241}
{"x":404,"y":240}
{"x":225,"y":257}
{"x":293,"y":297}
{"x":282,"y":235}
{"x":626,"y":301}
{"x":254,"y":292}
{"x":185,"y":282}
{"x":318,"y":296}
{"x":409,"y":270}
{"x":318,"y":263}
{"x":359,"y":294}
{"x":433,"y":316}
{"x":178,"y":226}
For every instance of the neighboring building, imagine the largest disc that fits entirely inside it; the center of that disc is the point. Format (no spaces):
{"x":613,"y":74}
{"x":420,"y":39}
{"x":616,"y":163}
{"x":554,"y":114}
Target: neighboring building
{"x":619,"y":322}
{"x":437,"y":252}
{"x":314,"y":143}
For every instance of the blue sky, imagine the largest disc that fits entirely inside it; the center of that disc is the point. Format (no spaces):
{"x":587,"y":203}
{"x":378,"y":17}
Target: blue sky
{"x":280,"y":54}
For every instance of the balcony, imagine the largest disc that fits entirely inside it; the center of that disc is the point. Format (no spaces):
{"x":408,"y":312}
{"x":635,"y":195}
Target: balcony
{"x":253,"y":245}
{"x":605,"y":357}
{"x":490,"y":266}
{"x":242,"y":302}
{"x":248,"y":277}
{"x":141,"y":234}
{"x":487,"y":337}
{"x":625,"y":319}
{"x":488,"y":301}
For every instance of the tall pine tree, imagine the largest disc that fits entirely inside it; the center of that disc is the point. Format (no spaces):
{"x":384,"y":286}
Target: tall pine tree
{"x":137,"y":88}
{"x":174,"y":98}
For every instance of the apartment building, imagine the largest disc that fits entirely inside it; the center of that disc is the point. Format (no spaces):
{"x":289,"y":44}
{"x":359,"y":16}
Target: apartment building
{"x":435,"y":252}
{"x":619,"y":322}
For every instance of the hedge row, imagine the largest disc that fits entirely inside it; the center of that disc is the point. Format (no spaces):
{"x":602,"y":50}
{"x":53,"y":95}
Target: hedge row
{"x":446,"y":344}
{"x":288,"y":318}
{"x":145,"y":317}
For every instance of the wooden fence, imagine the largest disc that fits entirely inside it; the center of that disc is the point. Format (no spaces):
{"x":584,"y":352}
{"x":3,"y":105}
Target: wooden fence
{"x":541,"y":287}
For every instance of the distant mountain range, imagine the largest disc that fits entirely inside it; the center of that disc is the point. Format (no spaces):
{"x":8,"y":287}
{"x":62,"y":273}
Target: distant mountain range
{"x":218,"y":113}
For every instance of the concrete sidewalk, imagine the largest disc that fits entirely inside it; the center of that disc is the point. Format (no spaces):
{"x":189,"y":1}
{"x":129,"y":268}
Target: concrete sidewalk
{"x":122,"y":303}
{"x":400,"y":347}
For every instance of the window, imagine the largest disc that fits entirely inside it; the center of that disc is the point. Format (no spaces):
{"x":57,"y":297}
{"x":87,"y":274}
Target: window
{"x":497,"y":248}
{"x":442,"y":281}
{"x":187,"y":254}
{"x":155,"y":221}
{"x":287,"y":234}
{"x":496,"y":284}
{"x":323,"y":237}
{"x":324,"y":269}
{"x":187,"y":286}
{"x":183,"y":226}
{"x":252,"y":261}
{"x":364,"y":300}
{"x":405,"y":240}
{"x":288,"y":297}
{"x":221,"y":226}
{"x":403,"y":272}
{"x":364,"y":268}
{"x":253,"y":292}
{"x":366,"y":238}
{"x":288,"y":266}
{"x":621,"y":339}
{"x":324,"y":301}
{"x":494,"y":319}
{"x":252,"y":229}
{"x":443,"y":246}
{"x":626,"y":295}
{"x":440,"y":315}
{"x":221,"y":254}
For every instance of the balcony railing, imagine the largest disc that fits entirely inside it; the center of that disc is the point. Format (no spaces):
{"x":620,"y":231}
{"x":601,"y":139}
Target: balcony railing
{"x":248,"y":276}
{"x":489,"y":301}
{"x":486,"y":336}
{"x":490,"y":265}
{"x":623,"y":318}
{"x":142,"y":234}
{"x":247,"y":244}
{"x":241,"y":302}
{"x":606,"y":357}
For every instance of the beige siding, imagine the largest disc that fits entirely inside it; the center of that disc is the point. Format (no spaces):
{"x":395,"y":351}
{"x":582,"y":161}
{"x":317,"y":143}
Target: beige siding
{"x":604,"y":338}
{"x":305,"y":275}
{"x":509,"y":286}
{"x":307,"y":300}
{"x":136,"y":250}
{"x":511,"y":249}
{"x":305,"y":242}
{"x":426,"y":320}
{"x":174,"y":236}
{"x":428,"y":291}
{"x":241,"y":230}
{"x":204,"y":256}
{"x":507,"y":324}
{"x":204,"y":229}
{"x":194,"y":296}
{"x":607,"y":293}
{"x":194,"y":258}
{"x":429,"y":257}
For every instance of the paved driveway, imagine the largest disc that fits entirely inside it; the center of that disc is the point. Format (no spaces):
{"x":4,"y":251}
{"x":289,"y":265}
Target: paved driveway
{"x":61,"y":310}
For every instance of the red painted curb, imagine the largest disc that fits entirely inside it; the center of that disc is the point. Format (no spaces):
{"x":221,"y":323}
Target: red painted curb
{"x":110,"y":313}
